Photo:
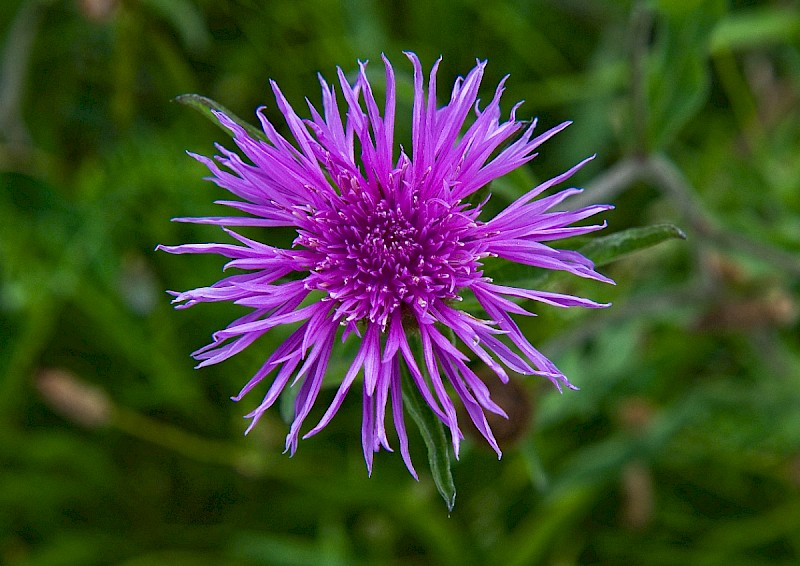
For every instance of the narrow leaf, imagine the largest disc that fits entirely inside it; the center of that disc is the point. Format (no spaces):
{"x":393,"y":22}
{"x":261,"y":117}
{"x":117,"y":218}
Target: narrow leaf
{"x":433,"y":434}
{"x":185,"y":18}
{"x":678,"y":80}
{"x":601,"y":250}
{"x":206,"y":107}
{"x":605,"y":249}
{"x":755,"y":28}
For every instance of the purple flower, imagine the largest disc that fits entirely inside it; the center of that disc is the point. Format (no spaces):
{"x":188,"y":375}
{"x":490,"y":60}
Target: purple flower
{"x":387,"y":245}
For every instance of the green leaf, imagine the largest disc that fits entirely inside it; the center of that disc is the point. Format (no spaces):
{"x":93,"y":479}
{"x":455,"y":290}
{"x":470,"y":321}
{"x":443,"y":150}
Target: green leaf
{"x":206,"y":107}
{"x":754,"y":28}
{"x":185,"y":19}
{"x":433,"y":434}
{"x":609,"y":248}
{"x":601,"y":251}
{"x":678,"y":77}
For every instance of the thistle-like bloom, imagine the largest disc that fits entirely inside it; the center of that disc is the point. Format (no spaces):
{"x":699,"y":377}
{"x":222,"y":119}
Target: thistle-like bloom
{"x":387,"y":245}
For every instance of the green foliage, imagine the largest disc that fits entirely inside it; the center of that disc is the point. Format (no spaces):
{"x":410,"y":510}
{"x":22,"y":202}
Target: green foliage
{"x":432,"y":432}
{"x":766,"y":25}
{"x":207,"y":107}
{"x":605,"y":249}
{"x":683,"y":445}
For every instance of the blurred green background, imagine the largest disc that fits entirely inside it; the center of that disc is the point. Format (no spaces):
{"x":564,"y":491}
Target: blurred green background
{"x":683,"y":445}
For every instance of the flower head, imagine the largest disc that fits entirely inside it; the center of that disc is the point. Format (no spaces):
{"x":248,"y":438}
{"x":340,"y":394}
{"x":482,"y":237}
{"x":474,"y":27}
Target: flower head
{"x":387,"y":245}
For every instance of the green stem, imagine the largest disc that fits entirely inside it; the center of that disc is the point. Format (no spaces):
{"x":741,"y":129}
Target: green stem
{"x":176,"y":440}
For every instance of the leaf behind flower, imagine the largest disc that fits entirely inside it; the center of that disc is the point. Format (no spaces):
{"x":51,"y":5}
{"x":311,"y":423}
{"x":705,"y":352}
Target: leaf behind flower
{"x":207,"y":107}
{"x":601,"y":250}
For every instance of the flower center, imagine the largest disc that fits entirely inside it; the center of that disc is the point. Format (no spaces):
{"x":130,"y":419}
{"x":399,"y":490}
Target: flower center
{"x":374,"y":257}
